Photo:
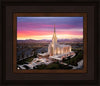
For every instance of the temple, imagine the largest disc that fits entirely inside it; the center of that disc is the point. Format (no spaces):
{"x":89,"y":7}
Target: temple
{"x":56,"y":49}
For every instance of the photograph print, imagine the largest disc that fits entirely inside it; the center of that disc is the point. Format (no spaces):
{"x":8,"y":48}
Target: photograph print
{"x":49,"y":43}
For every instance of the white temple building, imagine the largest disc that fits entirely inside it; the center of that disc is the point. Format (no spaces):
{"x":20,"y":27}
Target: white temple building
{"x":56,"y":50}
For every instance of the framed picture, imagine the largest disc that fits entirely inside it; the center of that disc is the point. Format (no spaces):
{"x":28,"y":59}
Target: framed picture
{"x":50,"y":42}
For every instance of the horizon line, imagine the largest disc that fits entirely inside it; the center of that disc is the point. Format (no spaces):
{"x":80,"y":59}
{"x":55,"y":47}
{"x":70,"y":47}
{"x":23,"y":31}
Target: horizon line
{"x":50,"y":39}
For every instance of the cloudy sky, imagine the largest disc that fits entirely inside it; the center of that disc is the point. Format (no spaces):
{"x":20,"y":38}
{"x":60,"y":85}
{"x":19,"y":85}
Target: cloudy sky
{"x":39,"y":28}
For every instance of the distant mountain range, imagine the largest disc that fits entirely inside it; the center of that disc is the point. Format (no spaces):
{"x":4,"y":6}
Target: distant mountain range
{"x":47,"y":41}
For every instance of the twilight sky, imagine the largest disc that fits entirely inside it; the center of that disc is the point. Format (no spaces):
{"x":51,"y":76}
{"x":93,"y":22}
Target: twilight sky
{"x":39,"y":28}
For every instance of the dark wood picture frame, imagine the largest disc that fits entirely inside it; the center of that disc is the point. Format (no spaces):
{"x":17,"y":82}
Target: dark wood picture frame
{"x":90,"y":77}
{"x":84,"y":15}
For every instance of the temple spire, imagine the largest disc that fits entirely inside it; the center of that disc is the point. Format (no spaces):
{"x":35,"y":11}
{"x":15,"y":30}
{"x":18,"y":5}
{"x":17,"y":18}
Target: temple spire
{"x":54,"y":29}
{"x":54,"y":38}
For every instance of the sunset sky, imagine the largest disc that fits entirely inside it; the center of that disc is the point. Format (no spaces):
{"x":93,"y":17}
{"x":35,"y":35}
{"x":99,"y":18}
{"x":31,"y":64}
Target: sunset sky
{"x":39,"y":28}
